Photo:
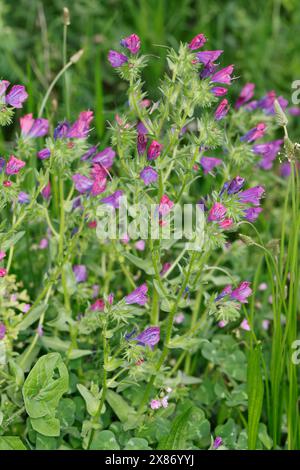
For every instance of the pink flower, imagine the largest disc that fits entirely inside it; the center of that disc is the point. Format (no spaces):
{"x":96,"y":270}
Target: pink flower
{"x":222,"y":110}
{"x":98,"y":306}
{"x":179,"y":318}
{"x":266,"y":324}
{"x":14,"y":165}
{"x":155,"y":404}
{"x":242,"y":292}
{"x":263,"y":286}
{"x":43,"y":244}
{"x":31,"y":127}
{"x":154,"y":150}
{"x":132,"y":43}
{"x":223,"y":75}
{"x":3,"y":272}
{"x":140,"y":245}
{"x":46,"y":191}
{"x":218,"y":91}
{"x":165,"y":205}
{"x":245,"y":95}
{"x":226,"y":223}
{"x":217,"y":212}
{"x":255,"y":133}
{"x":222,"y":324}
{"x":81,"y":127}
{"x":245,"y":325}
{"x":197,"y":42}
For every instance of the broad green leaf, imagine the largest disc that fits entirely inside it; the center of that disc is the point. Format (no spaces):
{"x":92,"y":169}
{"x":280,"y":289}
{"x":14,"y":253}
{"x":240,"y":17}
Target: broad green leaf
{"x":176,"y":440}
{"x":45,"y":443}
{"x":11,"y":443}
{"x":46,"y":425}
{"x":119,"y":406}
{"x":31,"y":317}
{"x":104,"y":440}
{"x":255,"y":389}
{"x":66,"y":412}
{"x":45,"y":385}
{"x":137,"y":443}
{"x":145,"y":265}
{"x":92,"y":403}
{"x":63,"y":346}
{"x":13,"y":240}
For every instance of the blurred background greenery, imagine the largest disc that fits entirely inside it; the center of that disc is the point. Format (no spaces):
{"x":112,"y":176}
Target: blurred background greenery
{"x":261,"y":37}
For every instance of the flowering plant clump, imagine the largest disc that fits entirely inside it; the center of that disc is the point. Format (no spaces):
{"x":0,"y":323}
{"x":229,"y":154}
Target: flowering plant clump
{"x":118,"y":331}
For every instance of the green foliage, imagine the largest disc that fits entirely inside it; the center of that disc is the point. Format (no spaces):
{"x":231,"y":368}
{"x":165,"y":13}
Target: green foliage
{"x":42,"y":391}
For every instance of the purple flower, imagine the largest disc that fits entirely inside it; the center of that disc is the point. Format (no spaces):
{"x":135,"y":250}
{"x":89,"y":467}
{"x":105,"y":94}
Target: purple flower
{"x":252,"y":213}
{"x":208,"y":70}
{"x":44,"y":154}
{"x":208,"y":56}
{"x":61,"y":130}
{"x":2,"y":331}
{"x":80,"y":272}
{"x":285,"y":169}
{"x":255,"y":133}
{"x":209,"y":163}
{"x":2,"y":163}
{"x":149,"y":337}
{"x":252,"y":195}
{"x":267,"y":102}
{"x":245,"y":95}
{"x":294,"y":111}
{"x":89,"y":153}
{"x":222,"y":110}
{"x":81,"y":127}
{"x":113,"y":200}
{"x":31,"y":127}
{"x":235,"y":185}
{"x":148,"y":175}
{"x":141,"y":142}
{"x":132,"y":43}
{"x":217,"y":442}
{"x":138,"y":296}
{"x":105,"y":158}
{"x":217,"y":212}
{"x":23,"y":198}
{"x":197,"y":42}
{"x":16,"y":96}
{"x":223,"y":75}
{"x":46,"y":191}
{"x":117,"y":59}
{"x":218,"y":91}
{"x":242,"y":292}
{"x":154,"y":150}
{"x":82,"y":183}
{"x":226,"y":291}
{"x":4,"y":84}
{"x":14,"y":165}
{"x":268,"y":151}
